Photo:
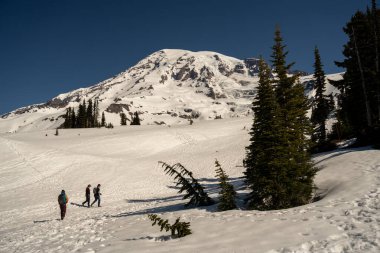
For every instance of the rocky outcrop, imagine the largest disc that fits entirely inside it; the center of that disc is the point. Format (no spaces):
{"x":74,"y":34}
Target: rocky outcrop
{"x":164,"y":78}
{"x":252,"y":64}
{"x":239,"y":68}
{"x":58,"y":103}
{"x":205,"y":74}
{"x":117,"y":108}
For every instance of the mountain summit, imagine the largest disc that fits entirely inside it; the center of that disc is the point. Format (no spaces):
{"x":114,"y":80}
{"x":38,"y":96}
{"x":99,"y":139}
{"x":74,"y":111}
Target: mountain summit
{"x":168,"y":87}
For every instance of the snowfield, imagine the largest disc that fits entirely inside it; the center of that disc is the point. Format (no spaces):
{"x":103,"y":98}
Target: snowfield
{"x":35,"y":167}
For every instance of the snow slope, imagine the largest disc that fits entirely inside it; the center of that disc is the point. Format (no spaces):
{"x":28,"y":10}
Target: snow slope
{"x":167,"y":87}
{"x":35,"y":167}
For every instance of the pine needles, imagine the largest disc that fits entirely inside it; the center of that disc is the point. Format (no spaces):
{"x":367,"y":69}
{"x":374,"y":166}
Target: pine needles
{"x":178,"y":229}
{"x":227,"y":192}
{"x":188,"y":184}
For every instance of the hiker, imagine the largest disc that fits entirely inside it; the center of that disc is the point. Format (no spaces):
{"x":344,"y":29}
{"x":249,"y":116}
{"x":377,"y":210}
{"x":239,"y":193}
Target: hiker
{"x":97,"y":195}
{"x":88,"y":193}
{"x":62,"y":200}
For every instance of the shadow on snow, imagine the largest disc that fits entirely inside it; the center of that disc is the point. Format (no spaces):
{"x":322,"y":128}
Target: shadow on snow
{"x":78,"y":205}
{"x":339,"y":152}
{"x":211,"y":186}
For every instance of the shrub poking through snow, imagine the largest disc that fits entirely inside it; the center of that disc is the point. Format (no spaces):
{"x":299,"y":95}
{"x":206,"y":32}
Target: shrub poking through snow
{"x":178,"y":229}
{"x":227,"y":192}
{"x":164,"y":224}
{"x":185,"y":179}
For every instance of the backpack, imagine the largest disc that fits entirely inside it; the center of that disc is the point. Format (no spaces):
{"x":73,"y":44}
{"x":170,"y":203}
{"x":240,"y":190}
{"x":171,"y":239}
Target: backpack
{"x":62,"y":199}
{"x":95,"y":191}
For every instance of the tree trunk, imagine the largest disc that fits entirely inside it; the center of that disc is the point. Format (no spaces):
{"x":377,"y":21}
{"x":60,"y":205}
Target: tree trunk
{"x":367,"y":106}
{"x":376,"y":39}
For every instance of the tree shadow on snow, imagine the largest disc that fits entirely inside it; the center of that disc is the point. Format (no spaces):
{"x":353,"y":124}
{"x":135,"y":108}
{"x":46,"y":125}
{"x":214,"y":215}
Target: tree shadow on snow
{"x":338,"y":152}
{"x":43,"y":221}
{"x":334,"y":154}
{"x":163,"y":199}
{"x":78,"y":205}
{"x":151,"y":238}
{"x":161,"y":209}
{"x":211,"y":186}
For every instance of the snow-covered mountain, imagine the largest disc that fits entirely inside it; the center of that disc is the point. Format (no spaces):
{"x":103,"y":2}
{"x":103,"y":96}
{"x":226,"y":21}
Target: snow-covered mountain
{"x":167,"y":87}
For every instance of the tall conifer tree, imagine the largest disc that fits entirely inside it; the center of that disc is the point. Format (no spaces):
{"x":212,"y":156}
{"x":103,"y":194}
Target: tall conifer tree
{"x":263,"y":151}
{"x":123,"y":119}
{"x":96,"y":114}
{"x":73,"y":119}
{"x":67,"y":123}
{"x":278,"y":166}
{"x":321,"y":105}
{"x":297,"y":170}
{"x":81,"y":115}
{"x":103,"y":120}
{"x":359,"y":99}
{"x":89,"y":114}
{"x":135,"y":119}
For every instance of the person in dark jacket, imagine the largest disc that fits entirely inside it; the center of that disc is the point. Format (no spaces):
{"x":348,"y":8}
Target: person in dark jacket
{"x":62,"y":201}
{"x":97,"y":195}
{"x":88,"y":193}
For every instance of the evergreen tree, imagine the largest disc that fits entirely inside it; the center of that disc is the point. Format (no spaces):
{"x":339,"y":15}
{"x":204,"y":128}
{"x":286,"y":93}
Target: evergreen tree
{"x":283,"y":82}
{"x":262,"y":167}
{"x":321,"y":107}
{"x":89,"y":114}
{"x":297,"y":171}
{"x":103,"y":124}
{"x":67,"y":123}
{"x":278,"y":167}
{"x":227,"y":192}
{"x":123,"y":119}
{"x":73,"y":119}
{"x":81,"y":115}
{"x":178,"y":229}
{"x":375,"y":27}
{"x":185,"y":179}
{"x":135,"y":119}
{"x":96,"y":114}
{"x":359,"y":100}
{"x":84,"y":114}
{"x":70,"y":117}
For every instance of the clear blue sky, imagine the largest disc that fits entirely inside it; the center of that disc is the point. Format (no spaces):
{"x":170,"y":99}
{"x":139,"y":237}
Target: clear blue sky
{"x":54,"y":46}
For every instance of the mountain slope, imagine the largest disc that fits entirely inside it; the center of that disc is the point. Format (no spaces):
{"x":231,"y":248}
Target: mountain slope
{"x":167,"y":87}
